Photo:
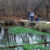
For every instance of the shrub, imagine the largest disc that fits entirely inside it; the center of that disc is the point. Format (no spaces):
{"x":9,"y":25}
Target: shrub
{"x":42,"y":27}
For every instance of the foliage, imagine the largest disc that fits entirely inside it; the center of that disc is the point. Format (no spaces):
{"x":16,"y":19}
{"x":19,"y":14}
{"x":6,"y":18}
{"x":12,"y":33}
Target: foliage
{"x":42,"y":26}
{"x":31,"y":47}
{"x":28,"y":47}
{"x":21,"y":30}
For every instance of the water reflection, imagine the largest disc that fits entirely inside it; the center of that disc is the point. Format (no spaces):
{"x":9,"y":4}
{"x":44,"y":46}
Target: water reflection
{"x":1,"y":34}
{"x":22,"y":39}
{"x":19,"y":40}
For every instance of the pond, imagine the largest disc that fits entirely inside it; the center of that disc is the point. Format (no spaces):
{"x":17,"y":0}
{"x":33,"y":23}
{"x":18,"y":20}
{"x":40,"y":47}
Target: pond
{"x":7,"y":39}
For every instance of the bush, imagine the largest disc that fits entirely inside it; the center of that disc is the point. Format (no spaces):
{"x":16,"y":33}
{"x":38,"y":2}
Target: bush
{"x":9,"y":23}
{"x":6,"y":23}
{"x":21,"y":23}
{"x":42,"y":27}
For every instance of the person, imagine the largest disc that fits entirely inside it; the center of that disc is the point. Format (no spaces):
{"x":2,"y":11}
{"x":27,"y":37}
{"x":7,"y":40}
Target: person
{"x":31,"y":15}
{"x":36,"y":17}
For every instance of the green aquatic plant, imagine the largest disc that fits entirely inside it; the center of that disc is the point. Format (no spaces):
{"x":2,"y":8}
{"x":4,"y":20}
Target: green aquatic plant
{"x":39,"y":41}
{"x":22,"y":30}
{"x":32,"y":47}
{"x":28,"y":47}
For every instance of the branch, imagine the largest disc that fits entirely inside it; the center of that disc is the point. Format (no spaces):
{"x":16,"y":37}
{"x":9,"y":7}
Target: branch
{"x":23,"y":45}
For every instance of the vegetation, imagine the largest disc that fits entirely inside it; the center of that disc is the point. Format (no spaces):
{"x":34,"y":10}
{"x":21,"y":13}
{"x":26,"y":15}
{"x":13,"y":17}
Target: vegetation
{"x":32,"y":47}
{"x":44,"y":27}
{"x":21,"y":30}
